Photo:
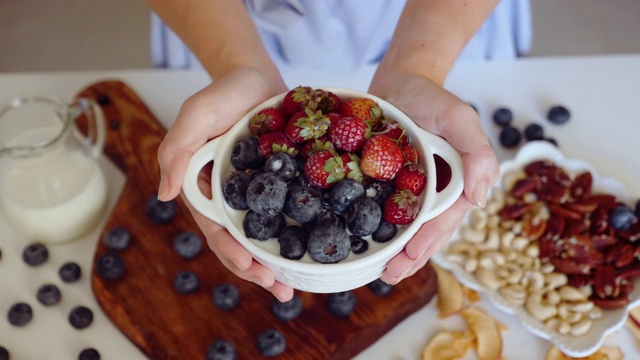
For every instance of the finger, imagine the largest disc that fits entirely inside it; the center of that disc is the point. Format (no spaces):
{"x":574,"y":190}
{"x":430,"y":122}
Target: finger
{"x":282,"y":292}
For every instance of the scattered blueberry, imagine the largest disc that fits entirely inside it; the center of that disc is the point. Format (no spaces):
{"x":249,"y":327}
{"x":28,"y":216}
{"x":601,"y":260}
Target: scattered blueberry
{"x":558,"y":114}
{"x":70,"y":272}
{"x":385,"y":232}
{"x":510,"y":137}
{"x":161,"y":212}
{"x":80,"y":317}
{"x":283,"y":165}
{"x":35,"y":254}
{"x":326,"y":217}
{"x":186,"y":282}
{"x":293,"y":242}
{"x":89,"y":354}
{"x":4,"y":353}
{"x":363,"y":216}
{"x":344,"y":193}
{"x":244,"y":154}
{"x":234,"y":190}
{"x":261,"y":227}
{"x":187,"y":245}
{"x":110,"y":266}
{"x":221,"y":350}
{"x":266,"y":194}
{"x":271,"y":342}
{"x":303,"y":203}
{"x":226,"y":296}
{"x":328,"y":244}
{"x":358,"y":244}
{"x":622,"y":218}
{"x":379,"y":191}
{"x":288,"y":310}
{"x":49,"y":294}
{"x":20,"y":314}
{"x":117,"y":238}
{"x":341,"y":304}
{"x":503,"y":117}
{"x":380,"y":287}
{"x":533,"y":132}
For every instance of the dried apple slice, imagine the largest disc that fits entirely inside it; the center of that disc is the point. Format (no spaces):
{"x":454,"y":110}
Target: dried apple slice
{"x":470,"y":294}
{"x":448,"y":345}
{"x":555,"y":354}
{"x":450,"y":294}
{"x":486,"y":331}
{"x":604,"y":353}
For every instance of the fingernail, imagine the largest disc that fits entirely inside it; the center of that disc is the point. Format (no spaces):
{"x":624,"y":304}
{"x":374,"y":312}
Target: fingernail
{"x":480,"y":195}
{"x":163,"y":188}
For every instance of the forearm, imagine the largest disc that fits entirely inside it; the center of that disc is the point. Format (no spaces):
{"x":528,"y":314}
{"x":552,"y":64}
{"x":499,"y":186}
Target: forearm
{"x":219,"y":32}
{"x":431,"y":34}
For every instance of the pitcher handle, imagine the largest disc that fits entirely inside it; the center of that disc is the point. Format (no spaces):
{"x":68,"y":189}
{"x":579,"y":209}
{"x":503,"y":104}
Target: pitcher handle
{"x":97,"y":131}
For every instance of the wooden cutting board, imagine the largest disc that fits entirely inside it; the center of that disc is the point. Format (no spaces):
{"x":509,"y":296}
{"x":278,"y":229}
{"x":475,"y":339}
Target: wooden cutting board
{"x":166,"y":325}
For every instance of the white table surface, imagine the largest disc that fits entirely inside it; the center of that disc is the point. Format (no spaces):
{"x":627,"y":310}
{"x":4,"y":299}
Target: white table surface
{"x":601,"y":92}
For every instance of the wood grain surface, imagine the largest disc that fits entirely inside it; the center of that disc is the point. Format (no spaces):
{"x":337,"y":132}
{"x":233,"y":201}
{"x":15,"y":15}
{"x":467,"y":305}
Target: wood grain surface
{"x":167,"y":325}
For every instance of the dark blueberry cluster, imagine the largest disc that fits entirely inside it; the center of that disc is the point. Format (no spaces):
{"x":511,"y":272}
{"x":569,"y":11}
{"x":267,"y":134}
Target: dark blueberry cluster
{"x":20,"y":314}
{"x":70,"y":272}
{"x":117,"y":238}
{"x":49,"y":294}
{"x":35,"y":254}
{"x":110,"y":266}
{"x":226,"y":296}
{"x":341,"y":304}
{"x":186,"y":282}
{"x":89,"y":354}
{"x":271,"y":342}
{"x":187,"y":245}
{"x":511,"y":137}
{"x":80,"y":317}
{"x":221,"y":349}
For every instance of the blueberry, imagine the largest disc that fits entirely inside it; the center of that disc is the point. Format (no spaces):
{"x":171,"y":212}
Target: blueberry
{"x":70,"y":272}
{"x":363,"y":216}
{"x":358,"y":244}
{"x":266,"y":194}
{"x":510,"y":137}
{"x":271,"y":342}
{"x":35,"y":254}
{"x":303,"y":203}
{"x":48,"y":295}
{"x":293,"y":242}
{"x":4,"y":353}
{"x":283,"y":165}
{"x":288,"y":310}
{"x":503,"y":117}
{"x":622,"y":218}
{"x":343,"y":193}
{"x":20,"y":314}
{"x":558,"y":114}
{"x":328,"y":244}
{"x":380,"y":287}
{"x":110,"y":266}
{"x":261,"y":227}
{"x":379,"y":191}
{"x":117,"y":238}
{"x":89,"y":354}
{"x":533,"y":132}
{"x":325,"y":217}
{"x":160,"y":212}
{"x":301,"y":180}
{"x":80,"y":317}
{"x":244,"y":154}
{"x":221,"y":349}
{"x":226,"y":296}
{"x":186,"y":282}
{"x":234,"y":190}
{"x":187,"y":245}
{"x":341,"y":304}
{"x":385,"y":232}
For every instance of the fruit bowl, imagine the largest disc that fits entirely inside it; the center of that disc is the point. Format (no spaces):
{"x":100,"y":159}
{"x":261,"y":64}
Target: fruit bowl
{"x":609,"y":321}
{"x":305,"y":274}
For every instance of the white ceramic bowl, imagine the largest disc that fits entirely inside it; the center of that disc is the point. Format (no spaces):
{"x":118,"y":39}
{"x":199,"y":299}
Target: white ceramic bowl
{"x":305,"y":274}
{"x":611,"y":320}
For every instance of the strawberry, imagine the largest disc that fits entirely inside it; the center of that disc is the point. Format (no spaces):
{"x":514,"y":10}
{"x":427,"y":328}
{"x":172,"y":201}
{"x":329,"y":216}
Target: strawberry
{"x":411,"y":178}
{"x":349,"y":134}
{"x":411,"y":155}
{"x":267,"y":120}
{"x":323,"y":169}
{"x":319,"y":144}
{"x":401,"y":207}
{"x":334,"y":118}
{"x":363,"y":108}
{"x":276,"y":141}
{"x":300,"y":98}
{"x":381,"y":158}
{"x":330,"y":103}
{"x":306,"y":125}
{"x":394,"y":130}
{"x":351,"y":164}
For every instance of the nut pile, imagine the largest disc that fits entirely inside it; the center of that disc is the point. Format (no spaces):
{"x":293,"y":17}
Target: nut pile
{"x":548,"y":244}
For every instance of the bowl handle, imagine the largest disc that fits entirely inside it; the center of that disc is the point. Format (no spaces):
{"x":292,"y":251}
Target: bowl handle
{"x":210,"y":208}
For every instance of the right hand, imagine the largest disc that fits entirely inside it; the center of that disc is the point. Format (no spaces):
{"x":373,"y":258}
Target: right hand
{"x":205,"y":115}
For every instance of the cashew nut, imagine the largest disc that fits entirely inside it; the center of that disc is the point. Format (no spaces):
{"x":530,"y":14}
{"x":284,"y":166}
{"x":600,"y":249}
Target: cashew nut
{"x":510,"y":178}
{"x":547,"y":268}
{"x":519,"y":243}
{"x":515,"y":273}
{"x":595,"y":313}
{"x":489,"y":278}
{"x":537,"y":309}
{"x":491,"y":259}
{"x":580,"y":328}
{"x":564,"y":327}
{"x":551,"y":297}
{"x":533,"y":280}
{"x":493,"y":221}
{"x":570,"y":293}
{"x":492,"y":241}
{"x":471,"y":265}
{"x":478,"y":218}
{"x":555,"y":280}
{"x":532,"y":250}
{"x":472,"y":235}
{"x":506,"y":240}
{"x":515,"y":294}
{"x":580,"y":307}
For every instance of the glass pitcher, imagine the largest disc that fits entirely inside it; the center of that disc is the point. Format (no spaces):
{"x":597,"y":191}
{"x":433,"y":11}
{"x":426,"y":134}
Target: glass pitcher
{"x":51,"y":186}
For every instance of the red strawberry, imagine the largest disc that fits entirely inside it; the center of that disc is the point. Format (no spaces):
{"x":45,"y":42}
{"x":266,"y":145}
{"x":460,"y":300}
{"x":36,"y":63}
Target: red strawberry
{"x":349,"y":134}
{"x":323,"y":169}
{"x":334,"y":118}
{"x":276,"y":141}
{"x":306,"y":125}
{"x":267,"y":120}
{"x":401,"y":207}
{"x":351,"y":164}
{"x":411,"y":155}
{"x":394,"y":130}
{"x":411,"y":178}
{"x":320,"y":144}
{"x":330,"y":103}
{"x":363,"y":108}
{"x":381,"y":158}
{"x":300,"y":98}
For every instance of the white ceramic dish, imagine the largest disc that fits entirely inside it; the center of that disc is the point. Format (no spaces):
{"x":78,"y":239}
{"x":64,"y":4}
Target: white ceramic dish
{"x":305,"y":274}
{"x":611,"y":320}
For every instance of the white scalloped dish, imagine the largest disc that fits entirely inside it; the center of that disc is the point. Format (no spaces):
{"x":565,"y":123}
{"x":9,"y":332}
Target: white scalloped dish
{"x":611,"y":320}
